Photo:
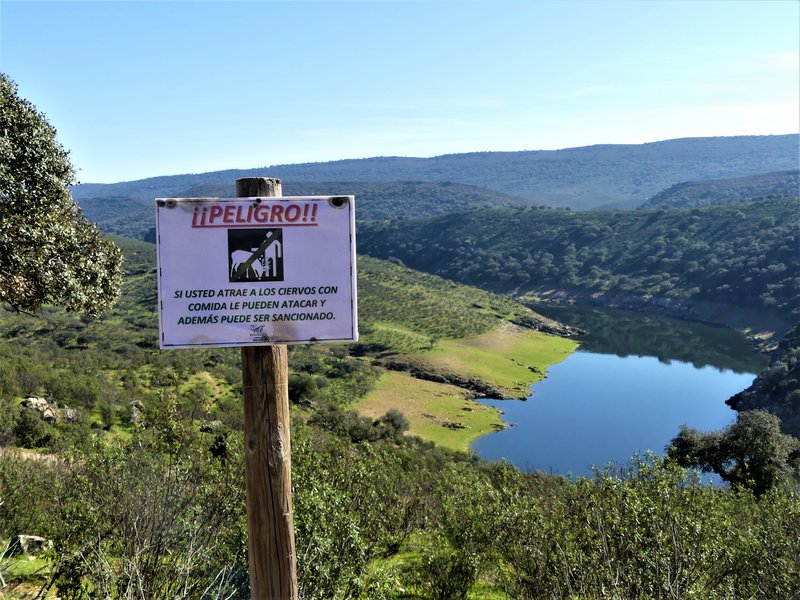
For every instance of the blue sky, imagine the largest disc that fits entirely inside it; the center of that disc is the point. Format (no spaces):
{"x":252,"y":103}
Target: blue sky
{"x":139,"y":89}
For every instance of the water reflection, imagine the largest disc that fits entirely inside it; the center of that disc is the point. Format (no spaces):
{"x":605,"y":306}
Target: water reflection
{"x":624,"y":333}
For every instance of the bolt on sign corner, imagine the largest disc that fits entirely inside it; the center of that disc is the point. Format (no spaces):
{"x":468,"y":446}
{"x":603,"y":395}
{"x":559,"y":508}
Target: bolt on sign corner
{"x":256,"y":271}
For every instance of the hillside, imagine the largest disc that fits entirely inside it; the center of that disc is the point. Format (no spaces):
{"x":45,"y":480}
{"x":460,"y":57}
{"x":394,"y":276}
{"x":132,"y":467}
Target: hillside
{"x":621,"y":176}
{"x":740,"y":255}
{"x":719,"y":191}
{"x":100,"y":366}
{"x":121,"y":216}
{"x":777,"y":388}
{"x":375,"y":201}
{"x":424,"y":306}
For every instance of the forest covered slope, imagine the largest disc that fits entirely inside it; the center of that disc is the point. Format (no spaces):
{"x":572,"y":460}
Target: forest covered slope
{"x":718,"y":191}
{"x":132,"y":217}
{"x":741,"y":254}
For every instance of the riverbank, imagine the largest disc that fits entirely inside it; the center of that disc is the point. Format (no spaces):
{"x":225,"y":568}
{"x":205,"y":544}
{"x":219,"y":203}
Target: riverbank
{"x":436,"y":389}
{"x":509,"y":358}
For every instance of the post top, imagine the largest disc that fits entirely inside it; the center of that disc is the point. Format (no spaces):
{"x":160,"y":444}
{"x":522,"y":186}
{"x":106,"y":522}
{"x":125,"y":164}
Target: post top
{"x":258,"y":186}
{"x":270,"y":179}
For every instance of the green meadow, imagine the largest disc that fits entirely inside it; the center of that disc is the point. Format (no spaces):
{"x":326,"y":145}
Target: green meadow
{"x":507,"y":358}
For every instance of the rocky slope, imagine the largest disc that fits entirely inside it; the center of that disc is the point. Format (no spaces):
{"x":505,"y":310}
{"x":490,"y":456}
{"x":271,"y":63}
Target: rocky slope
{"x":777,"y":389}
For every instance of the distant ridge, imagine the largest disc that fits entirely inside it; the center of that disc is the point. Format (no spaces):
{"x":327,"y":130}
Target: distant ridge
{"x":605,"y":175}
{"x":720,"y":191}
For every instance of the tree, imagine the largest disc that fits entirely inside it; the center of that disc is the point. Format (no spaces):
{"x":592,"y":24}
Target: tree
{"x":752,"y":452}
{"x":49,"y":252}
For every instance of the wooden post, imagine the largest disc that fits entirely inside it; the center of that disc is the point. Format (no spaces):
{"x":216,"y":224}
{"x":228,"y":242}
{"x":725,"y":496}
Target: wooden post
{"x":268,"y":466}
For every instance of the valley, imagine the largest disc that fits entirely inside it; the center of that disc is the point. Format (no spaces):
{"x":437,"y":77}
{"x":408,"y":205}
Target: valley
{"x":391,"y":300}
{"x":634,"y":380}
{"x":725,"y":259}
{"x":467,"y":297}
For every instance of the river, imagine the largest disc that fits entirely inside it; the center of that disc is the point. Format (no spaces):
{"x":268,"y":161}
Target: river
{"x":635,"y":380}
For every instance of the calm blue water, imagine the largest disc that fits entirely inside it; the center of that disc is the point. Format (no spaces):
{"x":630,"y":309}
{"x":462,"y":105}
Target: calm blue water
{"x":595,"y":408}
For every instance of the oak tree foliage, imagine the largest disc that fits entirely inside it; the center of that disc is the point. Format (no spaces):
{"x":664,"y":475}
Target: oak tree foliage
{"x":49,"y":252}
{"x":751,"y":452}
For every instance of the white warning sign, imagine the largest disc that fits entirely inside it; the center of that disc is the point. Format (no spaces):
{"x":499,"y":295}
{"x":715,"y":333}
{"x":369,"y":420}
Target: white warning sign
{"x":256,"y":271}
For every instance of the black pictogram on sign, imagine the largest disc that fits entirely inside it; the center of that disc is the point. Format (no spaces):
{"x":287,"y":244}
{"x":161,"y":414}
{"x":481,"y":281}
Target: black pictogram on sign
{"x":255,"y":255}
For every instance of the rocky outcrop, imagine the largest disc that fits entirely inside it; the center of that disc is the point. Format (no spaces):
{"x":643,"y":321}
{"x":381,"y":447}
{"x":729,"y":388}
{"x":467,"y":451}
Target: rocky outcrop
{"x":52,"y":412}
{"x":136,"y":410}
{"x":476,"y":387}
{"x":777,"y":388}
{"x":43,"y":407}
{"x":620,"y":300}
{"x":28,"y":544}
{"x":549,"y":326}
{"x":211,"y":426}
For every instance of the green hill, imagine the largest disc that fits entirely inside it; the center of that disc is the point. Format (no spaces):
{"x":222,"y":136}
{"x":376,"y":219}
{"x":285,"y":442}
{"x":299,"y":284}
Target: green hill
{"x":719,"y":191}
{"x":621,"y":176}
{"x":743,"y":254}
{"x":132,"y":217}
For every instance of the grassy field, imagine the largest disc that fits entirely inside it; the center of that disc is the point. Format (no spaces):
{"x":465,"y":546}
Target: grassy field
{"x":508,"y":358}
{"x":438,"y":412}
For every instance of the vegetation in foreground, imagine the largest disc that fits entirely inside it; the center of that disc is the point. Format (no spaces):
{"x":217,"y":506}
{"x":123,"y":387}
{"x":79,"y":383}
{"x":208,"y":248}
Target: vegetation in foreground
{"x":142,"y":495}
{"x":49,"y":252}
{"x":162,"y":516}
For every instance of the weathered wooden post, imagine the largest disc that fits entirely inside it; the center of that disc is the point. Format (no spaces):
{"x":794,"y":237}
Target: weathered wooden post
{"x":268,"y":464}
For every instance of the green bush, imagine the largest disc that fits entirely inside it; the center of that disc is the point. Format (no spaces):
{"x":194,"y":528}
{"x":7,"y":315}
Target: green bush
{"x":30,"y":430}
{"x":303,"y":388}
